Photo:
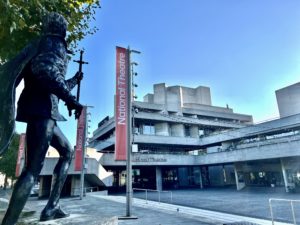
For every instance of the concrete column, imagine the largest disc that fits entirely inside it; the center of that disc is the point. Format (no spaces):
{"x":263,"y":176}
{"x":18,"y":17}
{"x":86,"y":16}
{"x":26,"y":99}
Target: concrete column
{"x":239,"y":184}
{"x":117,"y":179}
{"x":75,"y":185}
{"x":162,"y":129}
{"x":194,"y":131}
{"x":177,"y":130}
{"x":201,"y":180}
{"x":158,"y":178}
{"x":45,"y":185}
{"x":283,"y":169}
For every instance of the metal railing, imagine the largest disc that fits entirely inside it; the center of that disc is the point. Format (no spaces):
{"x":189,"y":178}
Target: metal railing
{"x":87,"y":189}
{"x":151,"y":190}
{"x":283,"y":200}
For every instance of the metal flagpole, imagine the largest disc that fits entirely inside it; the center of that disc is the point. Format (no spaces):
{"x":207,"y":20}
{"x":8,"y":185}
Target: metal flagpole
{"x":84,"y":111}
{"x":83,"y":154}
{"x":129,"y":141}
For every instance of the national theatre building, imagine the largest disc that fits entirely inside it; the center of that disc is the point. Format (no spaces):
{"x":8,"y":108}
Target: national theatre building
{"x":181,"y":140}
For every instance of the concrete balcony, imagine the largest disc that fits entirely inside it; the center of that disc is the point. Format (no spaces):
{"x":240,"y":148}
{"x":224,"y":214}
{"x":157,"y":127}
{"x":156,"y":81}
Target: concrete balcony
{"x":103,"y":144}
{"x":279,"y":148}
{"x":152,"y":139}
{"x":106,"y":127}
{"x":138,"y":159}
{"x":279,"y":125}
{"x":218,"y":114}
{"x":166,"y":140}
{"x":146,"y":105}
{"x":269,"y":149}
{"x":187,"y":120}
{"x":92,"y":167}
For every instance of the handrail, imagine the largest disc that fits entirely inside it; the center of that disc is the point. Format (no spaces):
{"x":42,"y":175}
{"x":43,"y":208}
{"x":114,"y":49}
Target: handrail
{"x":158,"y":191}
{"x":87,"y":189}
{"x":283,"y":200}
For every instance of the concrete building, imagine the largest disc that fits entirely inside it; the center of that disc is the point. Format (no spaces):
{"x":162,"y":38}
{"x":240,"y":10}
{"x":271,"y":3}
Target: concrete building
{"x":96,"y":177}
{"x":288,"y":100}
{"x":168,"y":128}
{"x":181,"y":140}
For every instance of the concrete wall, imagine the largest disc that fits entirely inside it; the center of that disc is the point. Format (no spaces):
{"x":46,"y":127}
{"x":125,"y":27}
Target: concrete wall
{"x":162,"y":129}
{"x":272,"y":151}
{"x":175,"y":96}
{"x":199,"y":95}
{"x":254,"y":130}
{"x":177,"y":130}
{"x":159,"y":93}
{"x":174,"y":99}
{"x":92,"y":166}
{"x":194,"y":131}
{"x":203,"y":95}
{"x":149,"y":98}
{"x":288,"y":100}
{"x":188,"y":120}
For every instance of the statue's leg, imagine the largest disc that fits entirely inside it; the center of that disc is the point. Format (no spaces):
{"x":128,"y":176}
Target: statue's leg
{"x":62,"y":145}
{"x":38,"y":137}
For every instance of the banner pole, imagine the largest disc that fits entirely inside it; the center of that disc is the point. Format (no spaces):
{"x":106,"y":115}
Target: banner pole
{"x":129,"y":141}
{"x":84,"y":113}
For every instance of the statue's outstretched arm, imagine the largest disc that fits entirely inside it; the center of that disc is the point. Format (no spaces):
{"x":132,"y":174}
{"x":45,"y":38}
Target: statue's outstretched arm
{"x":72,"y":82}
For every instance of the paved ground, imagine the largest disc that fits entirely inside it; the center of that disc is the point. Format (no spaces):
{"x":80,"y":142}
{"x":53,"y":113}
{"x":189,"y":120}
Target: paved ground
{"x":253,"y":202}
{"x":92,"y":211}
{"x":94,"y":208}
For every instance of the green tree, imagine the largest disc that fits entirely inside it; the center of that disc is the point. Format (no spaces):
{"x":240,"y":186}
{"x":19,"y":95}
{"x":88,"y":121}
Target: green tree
{"x":20,"y":21}
{"x":8,"y":160}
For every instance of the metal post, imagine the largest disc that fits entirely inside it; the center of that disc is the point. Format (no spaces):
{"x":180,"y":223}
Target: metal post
{"x":159,"y":196}
{"x":129,"y":144}
{"x":271,"y":210}
{"x":129,"y":140}
{"x":83,"y":156}
{"x":293,"y":211}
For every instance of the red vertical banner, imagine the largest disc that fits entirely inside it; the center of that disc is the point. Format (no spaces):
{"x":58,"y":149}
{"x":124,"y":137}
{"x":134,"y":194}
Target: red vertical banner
{"x":20,"y":153}
{"x":121,"y":108}
{"x":80,"y":140}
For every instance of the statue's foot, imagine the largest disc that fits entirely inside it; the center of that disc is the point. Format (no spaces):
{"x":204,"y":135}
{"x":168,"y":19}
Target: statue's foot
{"x":51,"y":214}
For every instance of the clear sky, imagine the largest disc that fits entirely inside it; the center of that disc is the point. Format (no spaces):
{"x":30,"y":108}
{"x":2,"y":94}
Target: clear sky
{"x":243,"y":50}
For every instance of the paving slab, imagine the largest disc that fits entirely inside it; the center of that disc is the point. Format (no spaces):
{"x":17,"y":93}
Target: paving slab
{"x":97,"y":211}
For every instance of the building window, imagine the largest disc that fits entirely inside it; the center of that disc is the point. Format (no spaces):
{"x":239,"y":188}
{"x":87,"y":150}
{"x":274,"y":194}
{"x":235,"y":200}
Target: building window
{"x":201,"y":133}
{"x":148,"y":129}
{"x":187,"y":132}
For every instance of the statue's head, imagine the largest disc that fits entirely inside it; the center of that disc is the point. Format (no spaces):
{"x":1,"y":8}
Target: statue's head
{"x":55,"y":24}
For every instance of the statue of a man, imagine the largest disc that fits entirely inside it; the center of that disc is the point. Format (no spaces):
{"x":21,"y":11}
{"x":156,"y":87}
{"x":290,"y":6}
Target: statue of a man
{"x":45,"y":84}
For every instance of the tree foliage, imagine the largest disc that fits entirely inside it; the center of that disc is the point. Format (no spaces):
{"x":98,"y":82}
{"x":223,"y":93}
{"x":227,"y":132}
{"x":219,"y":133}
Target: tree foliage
{"x":8,"y":160}
{"x":21,"y":20}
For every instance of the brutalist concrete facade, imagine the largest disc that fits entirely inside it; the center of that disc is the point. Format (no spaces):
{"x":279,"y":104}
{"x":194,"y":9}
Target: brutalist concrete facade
{"x":168,"y":127}
{"x":182,"y":140}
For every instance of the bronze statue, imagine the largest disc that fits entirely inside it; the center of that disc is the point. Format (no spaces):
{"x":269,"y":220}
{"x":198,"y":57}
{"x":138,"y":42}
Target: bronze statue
{"x":43,"y":67}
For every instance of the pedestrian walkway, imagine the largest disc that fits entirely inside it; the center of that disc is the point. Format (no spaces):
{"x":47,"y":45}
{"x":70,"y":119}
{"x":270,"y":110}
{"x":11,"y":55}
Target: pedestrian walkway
{"x":99,"y":209}
{"x":94,"y":210}
{"x":204,"y":215}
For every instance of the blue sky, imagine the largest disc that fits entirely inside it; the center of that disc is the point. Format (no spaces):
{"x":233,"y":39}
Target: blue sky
{"x":242,"y":50}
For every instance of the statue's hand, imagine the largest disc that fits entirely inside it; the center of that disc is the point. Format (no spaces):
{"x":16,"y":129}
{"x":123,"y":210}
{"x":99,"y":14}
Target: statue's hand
{"x":78,"y":76}
{"x":73,"y":104}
